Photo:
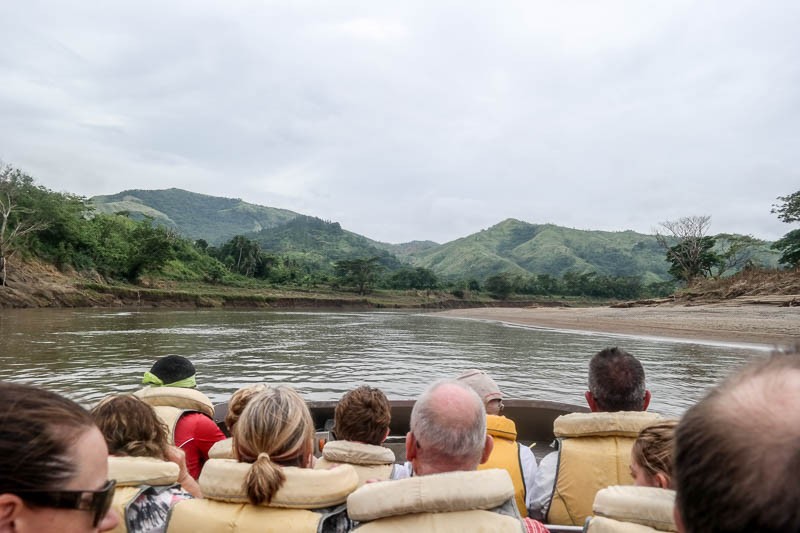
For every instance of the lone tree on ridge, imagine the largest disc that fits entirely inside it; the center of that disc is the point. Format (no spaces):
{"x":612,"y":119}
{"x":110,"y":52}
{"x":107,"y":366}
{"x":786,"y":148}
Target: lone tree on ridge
{"x":688,"y":248}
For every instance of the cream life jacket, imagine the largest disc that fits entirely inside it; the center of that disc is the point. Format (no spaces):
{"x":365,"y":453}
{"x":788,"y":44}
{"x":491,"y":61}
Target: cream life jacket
{"x":133,"y":475}
{"x":369,"y":461}
{"x":453,"y":501}
{"x":227,"y":509}
{"x":594,"y":453}
{"x":170,"y":403}
{"x":629,"y":509}
{"x":505,"y":455}
{"x":222,"y":449}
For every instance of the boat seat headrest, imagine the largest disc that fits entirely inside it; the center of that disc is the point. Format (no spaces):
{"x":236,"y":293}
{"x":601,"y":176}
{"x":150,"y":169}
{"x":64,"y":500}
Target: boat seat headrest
{"x":619,"y":424}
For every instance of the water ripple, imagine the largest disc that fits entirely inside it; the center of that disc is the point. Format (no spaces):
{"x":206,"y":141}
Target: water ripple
{"x":88,"y":354}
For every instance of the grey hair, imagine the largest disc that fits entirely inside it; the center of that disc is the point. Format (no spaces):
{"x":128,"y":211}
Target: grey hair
{"x":616,"y":380}
{"x":451,"y":436}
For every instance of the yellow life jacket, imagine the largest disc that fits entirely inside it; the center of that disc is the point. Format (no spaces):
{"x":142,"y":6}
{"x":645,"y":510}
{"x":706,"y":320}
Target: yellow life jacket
{"x":629,"y":509}
{"x":170,"y":403}
{"x":594,"y":453}
{"x":453,"y":501}
{"x":134,"y":474}
{"x":505,"y":455}
{"x":369,"y":461}
{"x":226,"y":508}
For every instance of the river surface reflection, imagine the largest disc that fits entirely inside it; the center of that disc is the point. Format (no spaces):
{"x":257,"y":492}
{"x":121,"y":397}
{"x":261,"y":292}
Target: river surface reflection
{"x":89,"y":353}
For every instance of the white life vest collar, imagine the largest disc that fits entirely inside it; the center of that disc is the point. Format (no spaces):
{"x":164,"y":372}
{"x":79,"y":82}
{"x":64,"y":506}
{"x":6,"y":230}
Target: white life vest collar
{"x":222,"y":449}
{"x":345,"y":451}
{"x":647,"y":506}
{"x":304,"y":488}
{"x":134,"y":471}
{"x":182,"y":398}
{"x":618,"y":424}
{"x":434,"y":493}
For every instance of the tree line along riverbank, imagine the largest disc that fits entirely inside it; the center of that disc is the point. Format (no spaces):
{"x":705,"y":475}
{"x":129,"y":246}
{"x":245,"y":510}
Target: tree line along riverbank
{"x":37,"y":284}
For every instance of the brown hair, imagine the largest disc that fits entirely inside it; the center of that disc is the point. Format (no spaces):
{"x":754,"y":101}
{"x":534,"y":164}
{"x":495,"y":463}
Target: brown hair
{"x":275,"y":429}
{"x":743,"y":433}
{"x":654,"y":448}
{"x":37,"y":429}
{"x":131,"y":427}
{"x":362,"y":415}
{"x":238,"y":402}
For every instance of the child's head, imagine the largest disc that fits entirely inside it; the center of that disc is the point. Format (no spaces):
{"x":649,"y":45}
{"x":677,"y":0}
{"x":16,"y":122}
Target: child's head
{"x":651,"y":455}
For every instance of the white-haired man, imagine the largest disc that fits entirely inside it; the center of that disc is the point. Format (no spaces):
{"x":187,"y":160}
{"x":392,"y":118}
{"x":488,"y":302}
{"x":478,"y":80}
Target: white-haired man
{"x":446,"y":444}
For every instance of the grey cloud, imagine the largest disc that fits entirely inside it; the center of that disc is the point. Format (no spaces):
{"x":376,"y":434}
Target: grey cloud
{"x":420,"y":120}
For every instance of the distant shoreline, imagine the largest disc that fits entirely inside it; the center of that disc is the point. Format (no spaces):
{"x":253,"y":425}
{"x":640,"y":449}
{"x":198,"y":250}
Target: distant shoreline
{"x":752,"y":324}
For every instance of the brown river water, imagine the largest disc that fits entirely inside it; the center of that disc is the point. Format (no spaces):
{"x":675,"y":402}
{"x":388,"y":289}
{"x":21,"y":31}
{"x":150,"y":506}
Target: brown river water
{"x":89,"y":353}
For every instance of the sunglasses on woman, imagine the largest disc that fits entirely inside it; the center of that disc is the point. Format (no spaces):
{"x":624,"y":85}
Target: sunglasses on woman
{"x":96,"y":501}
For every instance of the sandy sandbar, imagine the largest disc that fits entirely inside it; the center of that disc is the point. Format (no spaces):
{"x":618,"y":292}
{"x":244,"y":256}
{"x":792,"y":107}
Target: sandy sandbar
{"x":751,"y":324}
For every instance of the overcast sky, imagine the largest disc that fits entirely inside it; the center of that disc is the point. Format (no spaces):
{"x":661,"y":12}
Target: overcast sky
{"x":415,"y":120}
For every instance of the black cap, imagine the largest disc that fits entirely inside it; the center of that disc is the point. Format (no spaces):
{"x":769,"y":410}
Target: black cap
{"x":173,"y":368}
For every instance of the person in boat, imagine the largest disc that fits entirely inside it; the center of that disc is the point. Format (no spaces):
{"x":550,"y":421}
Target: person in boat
{"x":652,"y":456}
{"x":151,"y":475}
{"x":650,"y":502}
{"x":594,"y":448}
{"x":53,"y":465}
{"x":737,"y":452}
{"x":446,"y":444}
{"x":239,"y":400}
{"x":360,"y":425}
{"x":271,"y":485}
{"x":507,"y":453}
{"x":188,"y":413}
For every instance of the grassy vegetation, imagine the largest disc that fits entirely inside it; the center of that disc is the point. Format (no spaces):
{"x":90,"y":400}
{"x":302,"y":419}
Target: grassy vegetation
{"x":196,"y":216}
{"x":307,"y":261}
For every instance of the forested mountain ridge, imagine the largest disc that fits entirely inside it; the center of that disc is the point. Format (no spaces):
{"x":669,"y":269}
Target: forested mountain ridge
{"x":518,"y":247}
{"x":512,"y":246}
{"x":141,"y":246}
{"x":194,"y":215}
{"x":522,"y":248}
{"x":320,"y":243}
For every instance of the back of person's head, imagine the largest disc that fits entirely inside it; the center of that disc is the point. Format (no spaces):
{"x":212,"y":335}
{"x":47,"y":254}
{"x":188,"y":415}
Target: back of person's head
{"x":485,"y":387}
{"x":737,"y":452}
{"x":171,"y":371}
{"x":275,"y":429}
{"x":448,"y":421}
{"x":239,"y":401}
{"x":362,"y":415}
{"x":653,"y":453}
{"x":37,"y":430}
{"x":616,"y":381}
{"x":131,"y":427}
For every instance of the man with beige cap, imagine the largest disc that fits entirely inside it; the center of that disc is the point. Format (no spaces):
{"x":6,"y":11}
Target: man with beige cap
{"x":508,"y":454}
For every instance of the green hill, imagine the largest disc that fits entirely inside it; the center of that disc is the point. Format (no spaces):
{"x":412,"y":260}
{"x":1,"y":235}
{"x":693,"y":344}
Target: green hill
{"x":511,"y":246}
{"x":518,"y":247}
{"x":196,"y":216}
{"x":320,"y":242}
{"x":406,"y":250}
